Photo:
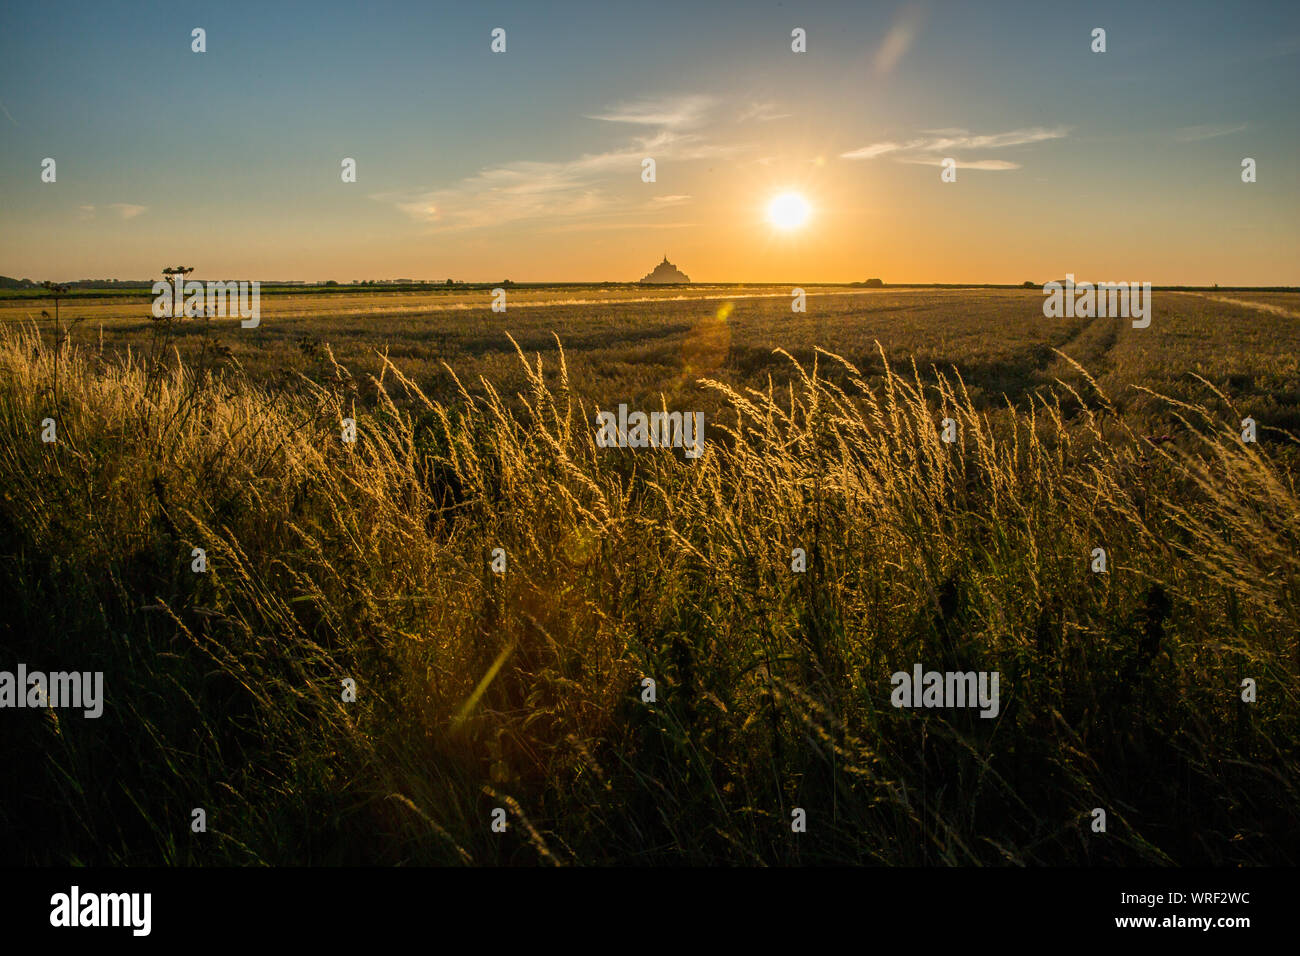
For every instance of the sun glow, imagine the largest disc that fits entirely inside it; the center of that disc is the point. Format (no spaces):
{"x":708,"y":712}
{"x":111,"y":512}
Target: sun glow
{"x":788,"y":211}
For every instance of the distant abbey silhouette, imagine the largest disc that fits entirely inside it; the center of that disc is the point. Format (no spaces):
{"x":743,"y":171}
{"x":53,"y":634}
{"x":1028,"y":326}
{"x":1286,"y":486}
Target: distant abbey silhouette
{"x":666,"y":273}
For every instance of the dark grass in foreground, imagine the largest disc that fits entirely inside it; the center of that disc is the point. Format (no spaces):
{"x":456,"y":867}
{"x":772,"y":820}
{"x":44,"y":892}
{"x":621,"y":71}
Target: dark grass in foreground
{"x":522,"y":690}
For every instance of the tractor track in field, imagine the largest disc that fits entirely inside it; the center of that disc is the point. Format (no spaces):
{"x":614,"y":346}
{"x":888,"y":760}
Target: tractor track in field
{"x":1090,"y":345}
{"x":1257,"y":306}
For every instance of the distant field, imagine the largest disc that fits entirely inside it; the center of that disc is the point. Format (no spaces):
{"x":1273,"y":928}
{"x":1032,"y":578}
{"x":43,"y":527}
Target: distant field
{"x":631,"y":344}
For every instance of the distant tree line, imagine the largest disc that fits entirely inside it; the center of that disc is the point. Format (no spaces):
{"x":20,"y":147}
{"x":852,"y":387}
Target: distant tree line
{"x":9,"y":283}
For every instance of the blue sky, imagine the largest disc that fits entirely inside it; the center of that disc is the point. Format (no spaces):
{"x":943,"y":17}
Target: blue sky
{"x":1122,"y":165}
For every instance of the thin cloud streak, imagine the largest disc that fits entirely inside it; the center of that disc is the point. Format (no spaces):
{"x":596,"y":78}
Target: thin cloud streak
{"x":606,"y":226}
{"x":951,"y":139}
{"x":683,"y":112}
{"x":988,"y":165}
{"x":1194,"y":134}
{"x":941,"y":143}
{"x":127,"y":210}
{"x":763,"y":112}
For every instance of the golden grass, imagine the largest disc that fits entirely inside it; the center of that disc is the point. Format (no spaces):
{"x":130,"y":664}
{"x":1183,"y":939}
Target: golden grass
{"x":476,"y":690}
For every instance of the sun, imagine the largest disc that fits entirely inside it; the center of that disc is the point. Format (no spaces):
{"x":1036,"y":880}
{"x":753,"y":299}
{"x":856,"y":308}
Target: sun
{"x":788,"y":211}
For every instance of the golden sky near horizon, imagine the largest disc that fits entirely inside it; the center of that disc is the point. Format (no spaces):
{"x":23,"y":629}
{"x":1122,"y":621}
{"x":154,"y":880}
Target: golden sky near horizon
{"x":527,"y":164}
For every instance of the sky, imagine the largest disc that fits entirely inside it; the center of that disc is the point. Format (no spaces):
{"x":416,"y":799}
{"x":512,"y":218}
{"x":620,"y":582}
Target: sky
{"x":527,"y":165}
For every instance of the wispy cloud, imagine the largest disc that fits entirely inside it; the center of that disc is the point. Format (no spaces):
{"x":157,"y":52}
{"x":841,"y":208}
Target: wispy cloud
{"x":608,"y":226}
{"x":680,"y":112}
{"x":1194,"y":134}
{"x":991,"y":165}
{"x":762,"y":112}
{"x":127,"y":210}
{"x":939,"y":143}
{"x":669,"y":200}
{"x":516,"y":191}
{"x":7,"y":113}
{"x":872,"y":151}
{"x":566,"y":189}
